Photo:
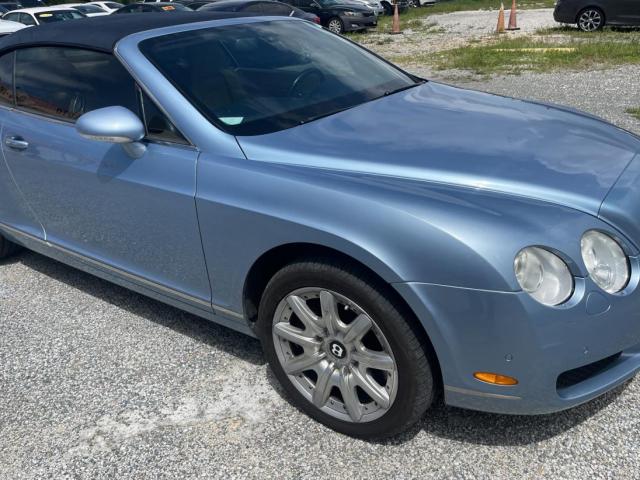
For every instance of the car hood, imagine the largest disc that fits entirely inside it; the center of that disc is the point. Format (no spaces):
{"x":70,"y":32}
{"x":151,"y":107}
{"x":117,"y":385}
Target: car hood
{"x":448,"y":135}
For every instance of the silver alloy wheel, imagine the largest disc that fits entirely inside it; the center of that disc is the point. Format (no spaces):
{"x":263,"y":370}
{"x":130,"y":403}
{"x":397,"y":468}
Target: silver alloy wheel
{"x":335,"y":25}
{"x":590,"y":20}
{"x":335,"y":354}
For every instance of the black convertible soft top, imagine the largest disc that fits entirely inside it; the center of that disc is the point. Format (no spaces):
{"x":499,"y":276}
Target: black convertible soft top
{"x":102,"y":33}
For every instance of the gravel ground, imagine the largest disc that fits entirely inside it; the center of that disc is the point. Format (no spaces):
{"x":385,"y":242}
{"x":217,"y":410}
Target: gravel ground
{"x":99,"y":382}
{"x":605,"y":93}
{"x":452,"y":30}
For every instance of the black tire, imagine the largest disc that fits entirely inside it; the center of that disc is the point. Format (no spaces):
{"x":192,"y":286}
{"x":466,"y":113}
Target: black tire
{"x":415,"y":388}
{"x":388,"y":8}
{"x":7,"y":248}
{"x":415,"y":3}
{"x":335,"y":25}
{"x":590,"y":19}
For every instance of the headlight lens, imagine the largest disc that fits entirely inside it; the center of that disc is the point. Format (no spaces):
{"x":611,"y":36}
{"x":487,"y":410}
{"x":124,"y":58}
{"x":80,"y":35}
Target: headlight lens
{"x":605,"y":260}
{"x":543,"y":275}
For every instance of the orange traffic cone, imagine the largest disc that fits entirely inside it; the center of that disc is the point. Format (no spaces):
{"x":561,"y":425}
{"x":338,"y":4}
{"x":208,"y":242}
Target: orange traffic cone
{"x":513,"y":24}
{"x":395,"y":25}
{"x":500,"y":27}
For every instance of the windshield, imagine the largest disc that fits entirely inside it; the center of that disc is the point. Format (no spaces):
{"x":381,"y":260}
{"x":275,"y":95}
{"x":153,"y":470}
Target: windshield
{"x":114,"y":5}
{"x":262,"y":77}
{"x":57,"y":16}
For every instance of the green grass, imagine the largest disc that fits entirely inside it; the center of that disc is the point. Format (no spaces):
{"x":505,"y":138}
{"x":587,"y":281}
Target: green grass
{"x":632,"y":34}
{"x":635,"y":112}
{"x":503,"y":57}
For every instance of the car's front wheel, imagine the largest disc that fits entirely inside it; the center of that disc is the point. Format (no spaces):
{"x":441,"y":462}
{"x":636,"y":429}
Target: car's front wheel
{"x":335,"y":25}
{"x":590,"y":19}
{"x":343,"y":351}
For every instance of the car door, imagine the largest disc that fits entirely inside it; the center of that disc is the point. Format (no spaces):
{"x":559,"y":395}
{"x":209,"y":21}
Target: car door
{"x":629,"y":12}
{"x":14,"y":210}
{"x":133,"y":217}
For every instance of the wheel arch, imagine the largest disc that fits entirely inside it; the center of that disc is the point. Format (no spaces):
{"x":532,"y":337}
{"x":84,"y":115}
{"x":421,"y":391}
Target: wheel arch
{"x":271,"y":261}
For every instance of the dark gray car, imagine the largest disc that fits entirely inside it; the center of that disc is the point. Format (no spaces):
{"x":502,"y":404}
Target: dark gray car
{"x":592,"y":15}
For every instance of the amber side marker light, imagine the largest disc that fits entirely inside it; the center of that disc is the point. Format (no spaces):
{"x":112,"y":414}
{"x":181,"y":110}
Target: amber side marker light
{"x":495,"y":378}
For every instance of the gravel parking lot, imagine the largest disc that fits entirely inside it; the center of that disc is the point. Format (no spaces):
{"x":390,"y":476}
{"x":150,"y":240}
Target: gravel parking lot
{"x":100,"y":382}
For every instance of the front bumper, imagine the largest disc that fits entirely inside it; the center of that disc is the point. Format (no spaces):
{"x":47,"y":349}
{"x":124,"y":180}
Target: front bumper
{"x":563,"y":13}
{"x":511,"y":334}
{"x":358,"y":22}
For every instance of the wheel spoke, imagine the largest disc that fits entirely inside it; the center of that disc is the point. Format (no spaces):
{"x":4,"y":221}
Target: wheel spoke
{"x":295,"y":335}
{"x":377,"y":392}
{"x":329,"y":308}
{"x":358,"y":328}
{"x":310,"y":320}
{"x":350,"y":397}
{"x":376,"y":360}
{"x":303,"y":362}
{"x":323,"y":386}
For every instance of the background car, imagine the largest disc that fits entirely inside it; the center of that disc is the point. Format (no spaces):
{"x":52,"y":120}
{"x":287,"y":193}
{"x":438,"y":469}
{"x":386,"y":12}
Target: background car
{"x":338,"y":15}
{"x":9,"y":6}
{"x":32,"y":3}
{"x":374,"y":5}
{"x":259,"y":7}
{"x":388,"y":5}
{"x":592,"y":15}
{"x":195,"y":5}
{"x":422,"y":3}
{"x":109,"y":7}
{"x":166,"y":7}
{"x":88,"y":10}
{"x":7,"y":27}
{"x":40,"y":15}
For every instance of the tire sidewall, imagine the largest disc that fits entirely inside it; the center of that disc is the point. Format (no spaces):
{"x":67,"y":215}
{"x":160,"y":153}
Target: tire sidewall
{"x":602,"y":21}
{"x":385,"y":316}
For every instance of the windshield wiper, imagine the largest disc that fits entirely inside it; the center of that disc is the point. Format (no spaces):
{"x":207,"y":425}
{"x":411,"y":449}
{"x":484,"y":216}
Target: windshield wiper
{"x":322,"y":115}
{"x":402,"y":89}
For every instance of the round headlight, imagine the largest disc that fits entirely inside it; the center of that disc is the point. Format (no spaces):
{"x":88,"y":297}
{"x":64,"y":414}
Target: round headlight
{"x":605,"y":260}
{"x":543,"y":275}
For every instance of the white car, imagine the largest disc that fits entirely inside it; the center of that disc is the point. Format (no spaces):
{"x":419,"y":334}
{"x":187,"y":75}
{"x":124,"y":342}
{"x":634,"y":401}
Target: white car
{"x":88,"y":10}
{"x":422,"y":3}
{"x":39,"y":15}
{"x":108,"y":7}
{"x":7,"y":27}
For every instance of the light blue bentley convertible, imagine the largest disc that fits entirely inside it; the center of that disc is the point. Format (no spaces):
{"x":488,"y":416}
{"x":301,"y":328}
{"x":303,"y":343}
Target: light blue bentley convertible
{"x":385,"y":237}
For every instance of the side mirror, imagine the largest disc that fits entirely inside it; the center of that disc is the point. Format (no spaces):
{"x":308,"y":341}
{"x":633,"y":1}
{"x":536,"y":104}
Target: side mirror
{"x":114,"y":125}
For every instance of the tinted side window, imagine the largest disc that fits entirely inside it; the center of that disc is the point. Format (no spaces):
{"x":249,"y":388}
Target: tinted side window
{"x":27,"y":19}
{"x":253,"y":8}
{"x":276,"y":9}
{"x":6,"y":79}
{"x":68,"y":82}
{"x":14,"y":17}
{"x":158,"y":126}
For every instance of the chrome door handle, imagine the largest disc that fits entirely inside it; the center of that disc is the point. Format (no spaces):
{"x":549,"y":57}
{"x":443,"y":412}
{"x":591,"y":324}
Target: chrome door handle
{"x":17,"y":143}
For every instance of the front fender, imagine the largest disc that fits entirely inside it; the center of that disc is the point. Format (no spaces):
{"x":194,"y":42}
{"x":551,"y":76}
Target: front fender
{"x":404,"y":230}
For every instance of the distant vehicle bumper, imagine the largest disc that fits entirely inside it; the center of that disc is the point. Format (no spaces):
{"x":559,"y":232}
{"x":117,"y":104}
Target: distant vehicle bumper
{"x":353,"y":24}
{"x":561,"y":357}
